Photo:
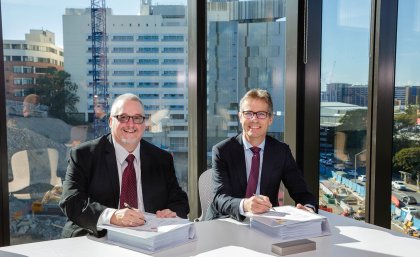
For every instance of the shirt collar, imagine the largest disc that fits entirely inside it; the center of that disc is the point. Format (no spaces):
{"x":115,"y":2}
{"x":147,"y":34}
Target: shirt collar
{"x":247,"y":145}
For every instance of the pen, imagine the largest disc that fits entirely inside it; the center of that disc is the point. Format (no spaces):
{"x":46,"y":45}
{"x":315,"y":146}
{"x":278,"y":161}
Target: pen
{"x":259,"y":197}
{"x":126,"y":205}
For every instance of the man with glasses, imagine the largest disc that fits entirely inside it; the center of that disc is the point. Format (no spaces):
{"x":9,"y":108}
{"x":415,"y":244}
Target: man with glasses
{"x":248,"y":168}
{"x":114,"y":179}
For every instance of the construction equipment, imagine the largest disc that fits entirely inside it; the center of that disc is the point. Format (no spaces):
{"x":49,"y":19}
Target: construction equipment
{"x":99,"y":66}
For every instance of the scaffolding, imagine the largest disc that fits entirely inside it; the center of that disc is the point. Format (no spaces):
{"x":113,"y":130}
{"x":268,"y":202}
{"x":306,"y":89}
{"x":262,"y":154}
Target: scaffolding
{"x":99,"y":67}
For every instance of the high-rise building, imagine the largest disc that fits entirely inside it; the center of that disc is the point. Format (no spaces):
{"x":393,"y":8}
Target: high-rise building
{"x":347,"y":93}
{"x":25,"y":60}
{"x":407,"y":95}
{"x":147,"y":56}
{"x":399,"y":95}
{"x":412,"y":95}
{"x":246,"y":49}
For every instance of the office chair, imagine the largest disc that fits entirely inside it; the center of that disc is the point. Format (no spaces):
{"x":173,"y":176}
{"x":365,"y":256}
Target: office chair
{"x":34,"y":173}
{"x":205,"y":191}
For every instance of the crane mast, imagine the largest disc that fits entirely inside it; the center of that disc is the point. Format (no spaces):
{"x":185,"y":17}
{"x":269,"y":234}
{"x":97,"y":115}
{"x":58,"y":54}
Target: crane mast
{"x":99,"y":67}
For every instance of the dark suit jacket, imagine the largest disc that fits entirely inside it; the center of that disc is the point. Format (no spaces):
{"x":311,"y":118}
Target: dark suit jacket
{"x":230,"y":181}
{"x":92,"y":184}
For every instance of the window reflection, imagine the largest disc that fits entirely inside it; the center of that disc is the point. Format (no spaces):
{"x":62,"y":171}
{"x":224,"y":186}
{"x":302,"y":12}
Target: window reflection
{"x":245,"y":49}
{"x":405,"y":209}
{"x":344,"y":103}
{"x":51,"y":105}
{"x":37,"y":131}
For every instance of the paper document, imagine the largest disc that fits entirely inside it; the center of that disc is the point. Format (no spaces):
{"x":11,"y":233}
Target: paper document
{"x":154,"y":224}
{"x":156,"y":234}
{"x":288,"y":222}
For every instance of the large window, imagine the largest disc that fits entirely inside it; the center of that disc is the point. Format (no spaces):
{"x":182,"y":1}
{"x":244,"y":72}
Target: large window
{"x":245,"y":49}
{"x":344,"y":106}
{"x":45,"y":119}
{"x":405,"y":197}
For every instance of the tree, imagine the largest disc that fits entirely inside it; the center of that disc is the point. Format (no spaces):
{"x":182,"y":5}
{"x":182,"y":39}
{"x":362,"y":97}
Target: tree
{"x":58,"y":93}
{"x":408,"y":160}
{"x":354,"y":120}
{"x":404,"y":120}
{"x":401,"y":141}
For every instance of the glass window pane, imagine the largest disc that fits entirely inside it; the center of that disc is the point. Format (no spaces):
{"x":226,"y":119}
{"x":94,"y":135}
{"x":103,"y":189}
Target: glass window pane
{"x":52,"y":105}
{"x":405,"y":208}
{"x":344,"y":103}
{"x":245,"y":50}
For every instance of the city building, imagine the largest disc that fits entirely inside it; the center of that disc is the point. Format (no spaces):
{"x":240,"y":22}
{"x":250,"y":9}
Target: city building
{"x":25,"y":60}
{"x":399,"y":96}
{"x":347,"y":93}
{"x":407,"y":95}
{"x":248,"y":37}
{"x":147,"y":56}
{"x":412,"y":95}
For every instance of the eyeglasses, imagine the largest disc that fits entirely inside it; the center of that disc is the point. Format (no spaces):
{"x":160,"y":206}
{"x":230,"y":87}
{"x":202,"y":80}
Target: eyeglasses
{"x":260,"y":115}
{"x":137,"y":119}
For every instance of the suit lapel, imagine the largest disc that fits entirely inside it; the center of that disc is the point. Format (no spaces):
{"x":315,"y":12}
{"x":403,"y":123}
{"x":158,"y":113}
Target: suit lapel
{"x":240,"y":164}
{"x":145,"y":166}
{"x":267,"y":166}
{"x":112,"y":168}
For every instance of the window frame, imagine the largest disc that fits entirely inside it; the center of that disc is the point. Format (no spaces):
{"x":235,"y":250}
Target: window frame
{"x":302,"y":121}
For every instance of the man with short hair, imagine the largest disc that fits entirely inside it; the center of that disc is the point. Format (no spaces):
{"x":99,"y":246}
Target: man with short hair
{"x":114,"y":179}
{"x":248,"y":168}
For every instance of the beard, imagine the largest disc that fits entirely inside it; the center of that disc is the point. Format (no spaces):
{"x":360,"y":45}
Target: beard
{"x":131,"y":141}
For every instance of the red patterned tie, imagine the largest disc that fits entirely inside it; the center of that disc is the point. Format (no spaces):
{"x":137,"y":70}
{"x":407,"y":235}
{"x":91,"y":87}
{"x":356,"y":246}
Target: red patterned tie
{"x":255,"y":171}
{"x":129,"y":184}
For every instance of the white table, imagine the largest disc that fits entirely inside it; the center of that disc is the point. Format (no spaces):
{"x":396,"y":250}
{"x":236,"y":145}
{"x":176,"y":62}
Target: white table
{"x":230,"y":238}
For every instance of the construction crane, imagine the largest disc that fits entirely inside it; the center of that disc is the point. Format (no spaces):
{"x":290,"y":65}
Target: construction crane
{"x":99,"y":67}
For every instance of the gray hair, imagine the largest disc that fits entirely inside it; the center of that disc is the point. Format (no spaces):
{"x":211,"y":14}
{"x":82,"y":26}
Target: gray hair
{"x":260,"y":94}
{"x":121,"y":99}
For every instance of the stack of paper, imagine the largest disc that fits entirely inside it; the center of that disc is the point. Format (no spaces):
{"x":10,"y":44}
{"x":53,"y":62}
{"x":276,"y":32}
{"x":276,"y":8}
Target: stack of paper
{"x":156,"y":234}
{"x":288,"y":222}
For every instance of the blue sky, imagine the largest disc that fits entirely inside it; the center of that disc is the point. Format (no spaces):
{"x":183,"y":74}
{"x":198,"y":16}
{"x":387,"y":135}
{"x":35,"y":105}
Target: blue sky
{"x":19,"y":16}
{"x":346,"y":39}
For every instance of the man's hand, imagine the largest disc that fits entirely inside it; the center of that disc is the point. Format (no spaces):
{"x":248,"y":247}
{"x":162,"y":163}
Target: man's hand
{"x":302,"y":207}
{"x":166,"y":213}
{"x":257,"y":204}
{"x":128,"y":218}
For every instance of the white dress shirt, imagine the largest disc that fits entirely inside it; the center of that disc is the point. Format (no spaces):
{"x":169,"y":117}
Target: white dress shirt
{"x":121,"y":154}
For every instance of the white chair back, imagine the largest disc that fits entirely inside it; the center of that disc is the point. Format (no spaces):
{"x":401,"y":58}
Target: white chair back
{"x":205,"y":191}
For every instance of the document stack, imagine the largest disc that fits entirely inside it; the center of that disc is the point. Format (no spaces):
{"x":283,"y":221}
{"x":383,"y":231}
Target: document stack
{"x":288,"y":223}
{"x":157,"y":234}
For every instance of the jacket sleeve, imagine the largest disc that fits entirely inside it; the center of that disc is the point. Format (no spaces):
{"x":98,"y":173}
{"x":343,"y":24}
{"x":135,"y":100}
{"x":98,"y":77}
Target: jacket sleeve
{"x":75,"y":201}
{"x":224,"y":201}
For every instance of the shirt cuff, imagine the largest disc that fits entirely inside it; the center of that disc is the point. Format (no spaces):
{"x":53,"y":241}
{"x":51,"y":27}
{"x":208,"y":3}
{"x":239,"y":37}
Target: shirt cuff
{"x":310,"y":206}
{"x":105,"y":217}
{"x":241,"y":207}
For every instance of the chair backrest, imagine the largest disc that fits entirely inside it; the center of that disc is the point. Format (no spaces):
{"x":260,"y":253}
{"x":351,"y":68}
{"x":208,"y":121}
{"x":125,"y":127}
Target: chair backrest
{"x":205,"y":191}
{"x":31,"y":167}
